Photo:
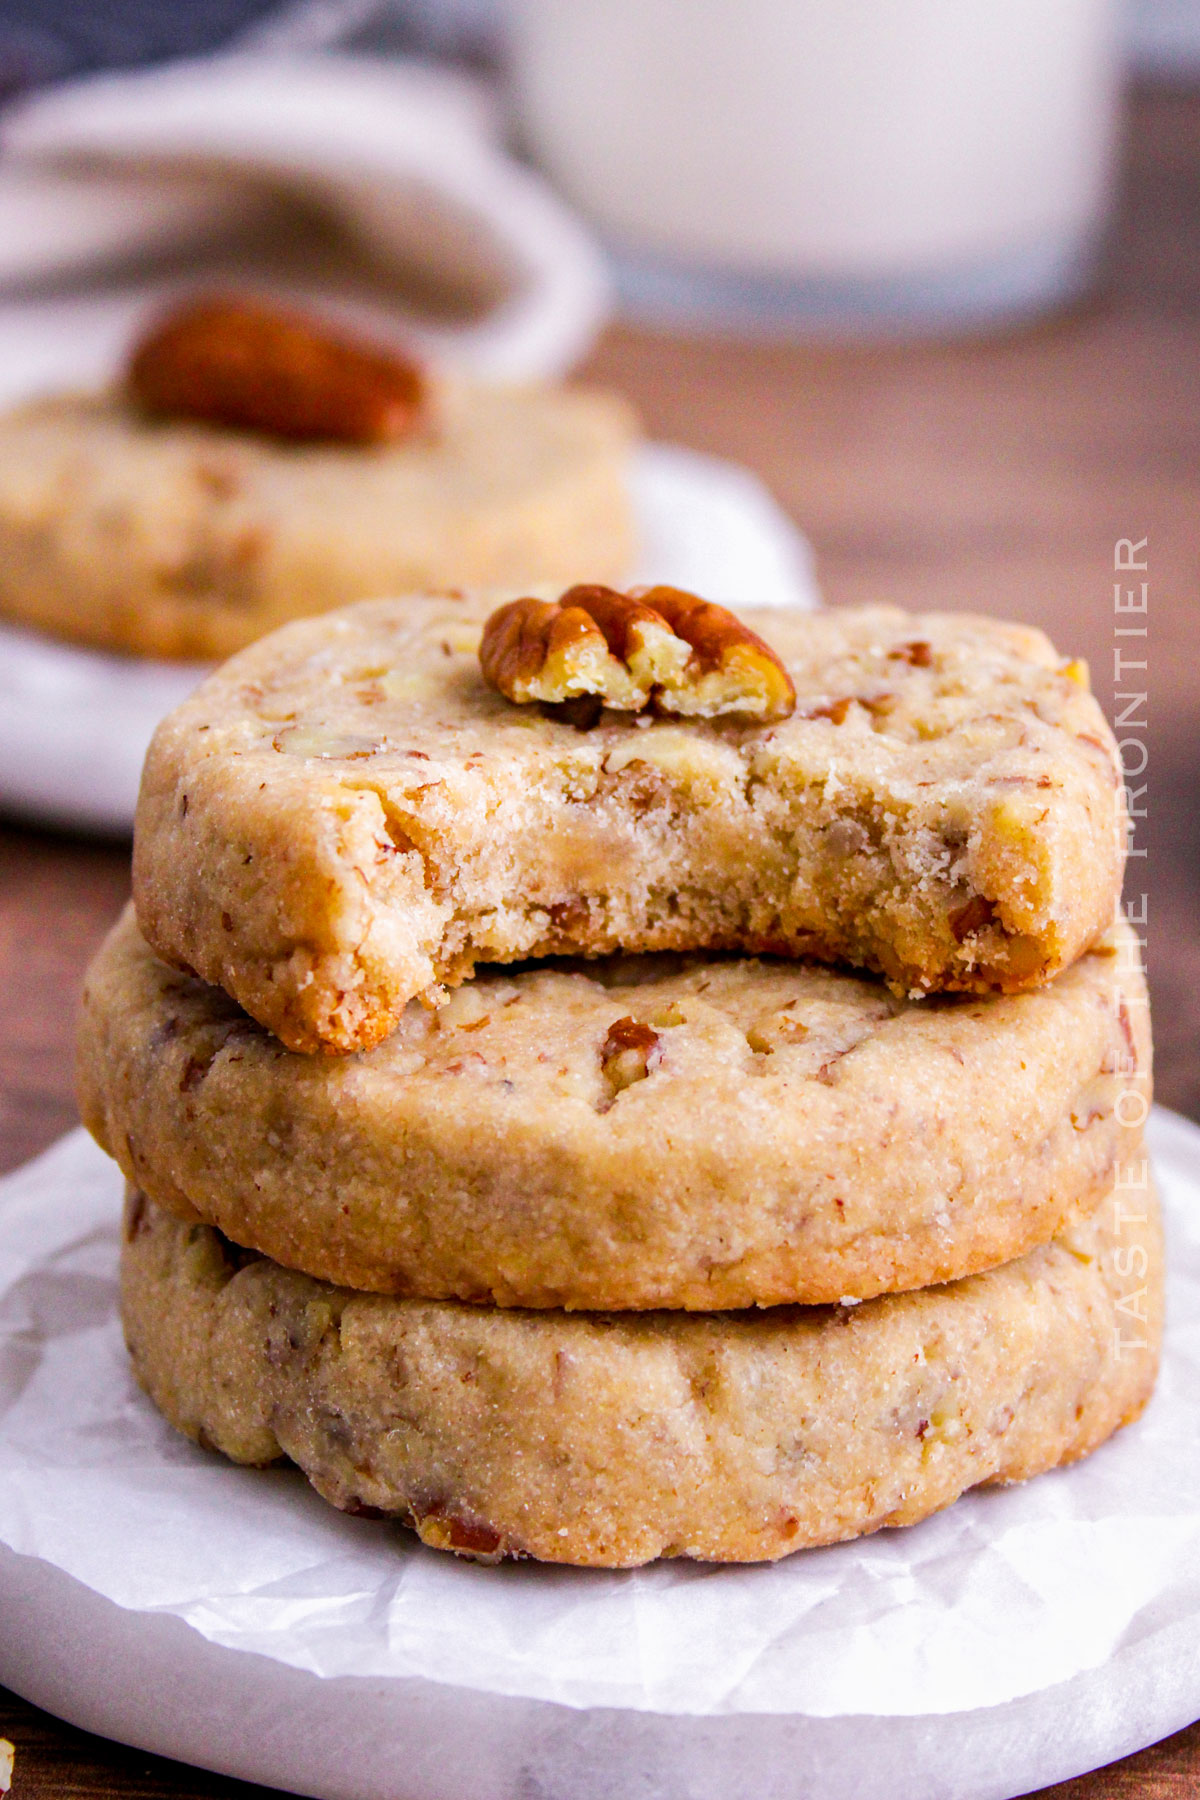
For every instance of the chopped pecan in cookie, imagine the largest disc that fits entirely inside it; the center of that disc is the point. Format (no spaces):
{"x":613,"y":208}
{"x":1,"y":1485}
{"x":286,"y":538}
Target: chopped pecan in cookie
{"x":655,"y":647}
{"x":629,"y":1052}
{"x":444,"y":1529}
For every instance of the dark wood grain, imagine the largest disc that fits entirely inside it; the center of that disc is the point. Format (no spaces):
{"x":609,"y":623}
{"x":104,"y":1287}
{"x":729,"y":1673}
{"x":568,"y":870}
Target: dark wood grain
{"x":994,"y":475}
{"x":56,"y":1762}
{"x":1167,"y":1771}
{"x":57,"y":899}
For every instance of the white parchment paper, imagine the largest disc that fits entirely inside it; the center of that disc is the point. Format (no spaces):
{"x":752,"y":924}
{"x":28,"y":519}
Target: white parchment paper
{"x":1009,"y":1592}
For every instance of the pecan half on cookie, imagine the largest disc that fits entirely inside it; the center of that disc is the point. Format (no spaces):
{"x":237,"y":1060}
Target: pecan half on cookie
{"x":244,"y":363}
{"x":655,"y":647}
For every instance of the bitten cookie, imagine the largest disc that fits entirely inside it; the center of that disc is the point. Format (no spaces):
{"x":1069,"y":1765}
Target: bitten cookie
{"x":347,"y":815}
{"x":609,"y":1440}
{"x":168,"y":537}
{"x":654,"y":1132}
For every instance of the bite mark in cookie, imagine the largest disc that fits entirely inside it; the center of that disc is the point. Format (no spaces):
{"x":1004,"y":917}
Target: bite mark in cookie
{"x":372,"y":819}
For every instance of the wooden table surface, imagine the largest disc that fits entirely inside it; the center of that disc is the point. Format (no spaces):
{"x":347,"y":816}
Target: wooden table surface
{"x":994,"y":475}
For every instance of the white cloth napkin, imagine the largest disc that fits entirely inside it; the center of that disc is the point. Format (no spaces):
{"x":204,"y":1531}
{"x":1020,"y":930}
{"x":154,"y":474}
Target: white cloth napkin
{"x":380,"y":188}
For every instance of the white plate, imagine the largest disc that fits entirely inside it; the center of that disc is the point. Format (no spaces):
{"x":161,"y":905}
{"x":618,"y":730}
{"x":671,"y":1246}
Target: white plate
{"x":74,"y":724}
{"x":227,"y":1617}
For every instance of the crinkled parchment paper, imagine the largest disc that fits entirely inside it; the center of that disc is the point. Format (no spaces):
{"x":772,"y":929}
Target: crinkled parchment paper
{"x":1010,"y":1592}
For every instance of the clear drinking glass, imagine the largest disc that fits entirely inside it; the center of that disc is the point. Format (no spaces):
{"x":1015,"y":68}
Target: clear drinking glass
{"x":903,"y":163}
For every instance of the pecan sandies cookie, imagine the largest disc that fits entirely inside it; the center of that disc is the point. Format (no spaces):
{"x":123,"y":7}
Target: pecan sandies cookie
{"x":631,"y":1132}
{"x":256,"y":468}
{"x":607,"y":1441}
{"x":347,"y":815}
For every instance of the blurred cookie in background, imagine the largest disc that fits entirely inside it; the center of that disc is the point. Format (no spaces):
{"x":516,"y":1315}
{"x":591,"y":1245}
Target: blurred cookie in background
{"x":258,"y":465}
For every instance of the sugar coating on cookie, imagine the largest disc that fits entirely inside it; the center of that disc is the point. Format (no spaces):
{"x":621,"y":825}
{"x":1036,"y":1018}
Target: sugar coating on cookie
{"x":166,"y":537}
{"x":610,"y":1440}
{"x":628,"y":1133}
{"x":346,"y":816}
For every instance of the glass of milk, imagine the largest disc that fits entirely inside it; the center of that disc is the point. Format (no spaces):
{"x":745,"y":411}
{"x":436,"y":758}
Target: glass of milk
{"x":904,"y":164}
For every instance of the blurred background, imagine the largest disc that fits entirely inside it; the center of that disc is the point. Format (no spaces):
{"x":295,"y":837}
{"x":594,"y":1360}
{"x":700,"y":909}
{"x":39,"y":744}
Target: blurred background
{"x":47,"y":42}
{"x":877,"y":165}
{"x":929,"y":268}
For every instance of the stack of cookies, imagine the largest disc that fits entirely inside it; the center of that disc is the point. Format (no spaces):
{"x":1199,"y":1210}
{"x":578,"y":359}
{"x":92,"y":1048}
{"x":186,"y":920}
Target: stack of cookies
{"x":603,"y":1078}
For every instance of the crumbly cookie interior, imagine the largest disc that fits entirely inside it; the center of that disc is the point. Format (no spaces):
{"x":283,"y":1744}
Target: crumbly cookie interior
{"x":347,"y":816}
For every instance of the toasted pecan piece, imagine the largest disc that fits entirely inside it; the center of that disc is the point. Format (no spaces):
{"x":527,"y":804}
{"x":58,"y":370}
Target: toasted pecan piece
{"x":246,"y":363}
{"x":655,"y":647}
{"x":629,"y":1052}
